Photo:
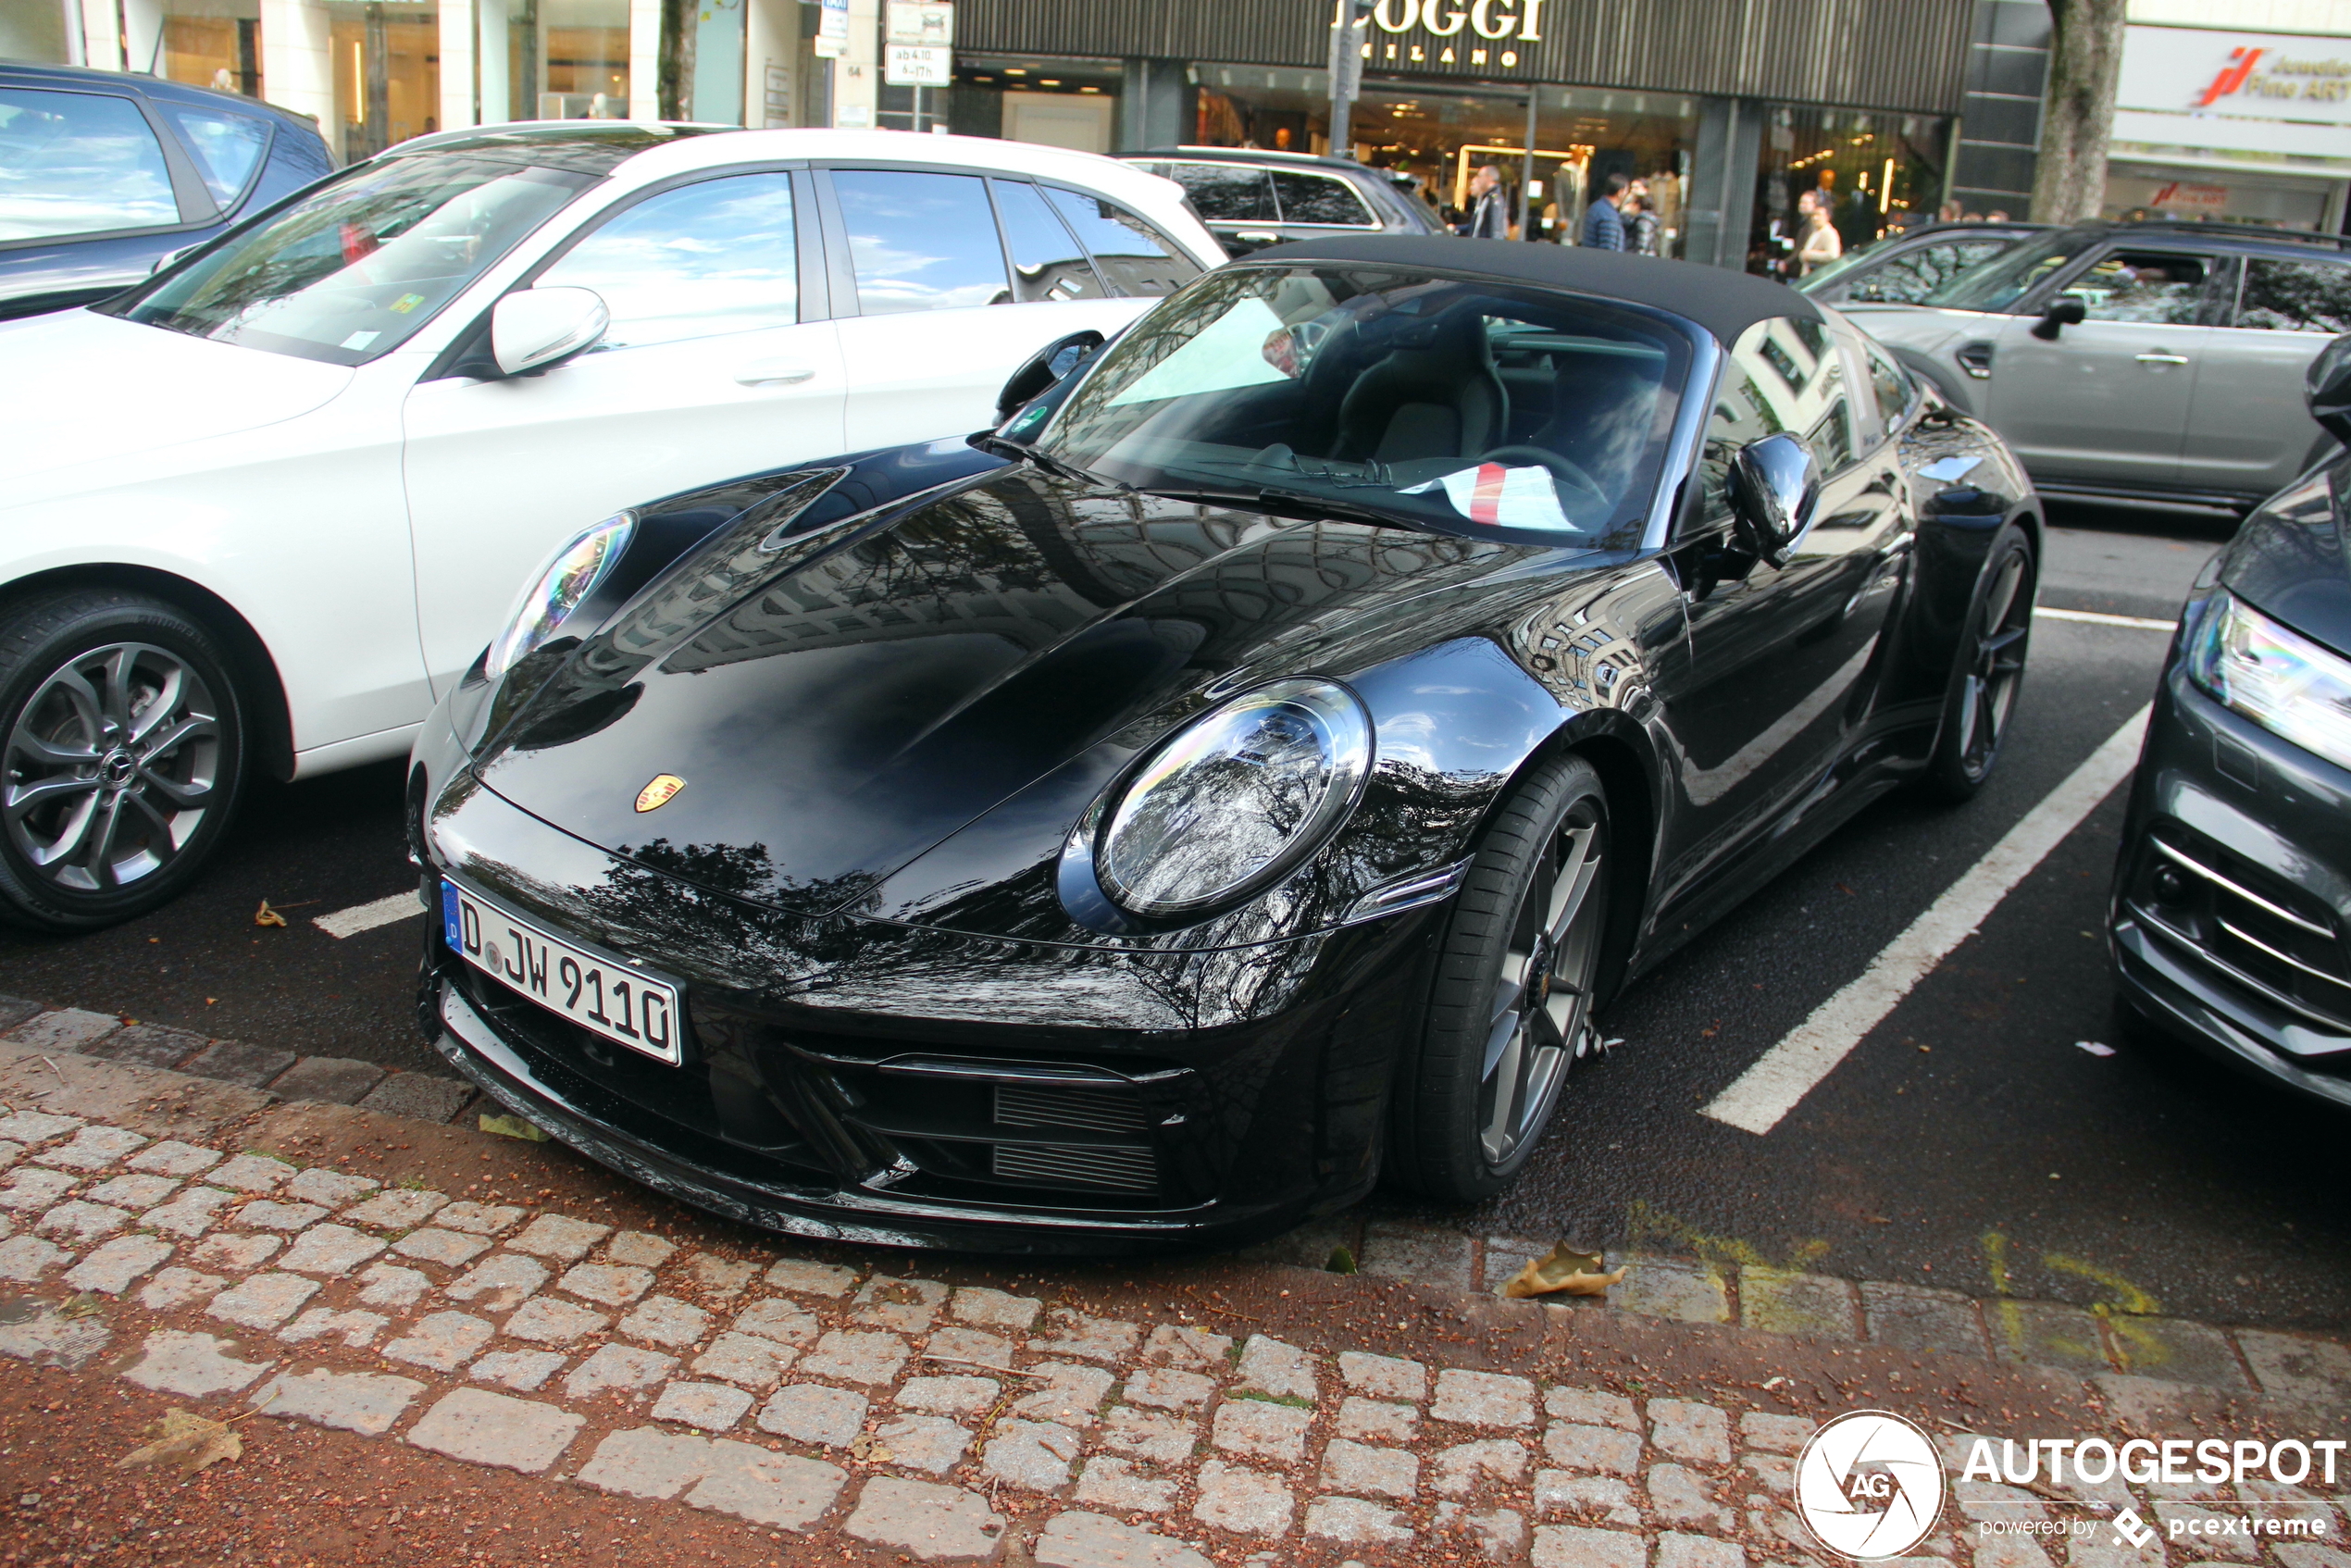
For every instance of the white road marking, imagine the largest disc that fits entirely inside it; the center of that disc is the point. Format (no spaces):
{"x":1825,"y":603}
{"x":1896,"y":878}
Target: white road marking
{"x":1785,"y":1073}
{"x":367,"y":916}
{"x":2136,"y":623}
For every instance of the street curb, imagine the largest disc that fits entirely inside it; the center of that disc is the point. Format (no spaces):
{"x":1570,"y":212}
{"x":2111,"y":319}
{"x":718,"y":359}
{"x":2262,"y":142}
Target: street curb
{"x":2144,"y":1363}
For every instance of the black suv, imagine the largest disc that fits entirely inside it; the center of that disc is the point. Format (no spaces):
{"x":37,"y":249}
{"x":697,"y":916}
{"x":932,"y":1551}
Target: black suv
{"x":1253,"y":198}
{"x":109,"y":173}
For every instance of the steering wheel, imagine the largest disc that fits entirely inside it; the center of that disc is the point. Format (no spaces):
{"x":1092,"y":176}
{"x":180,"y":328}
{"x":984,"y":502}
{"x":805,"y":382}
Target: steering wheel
{"x":1575,"y":483}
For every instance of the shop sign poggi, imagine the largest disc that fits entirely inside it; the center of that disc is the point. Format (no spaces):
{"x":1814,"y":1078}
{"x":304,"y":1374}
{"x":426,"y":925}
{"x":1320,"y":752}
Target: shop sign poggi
{"x":1448,"y":32}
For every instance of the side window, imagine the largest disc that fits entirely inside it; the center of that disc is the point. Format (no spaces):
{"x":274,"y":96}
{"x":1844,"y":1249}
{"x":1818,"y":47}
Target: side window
{"x":1911,"y":277}
{"x":1319,"y":198}
{"x":921,"y":242}
{"x":1889,"y":381}
{"x":2295,"y":296}
{"x":1131,"y":254}
{"x":2147,"y":287}
{"x":78,"y":163}
{"x":226,"y":146}
{"x":1047,"y":263}
{"x":1225,"y":192}
{"x":1784,"y":376}
{"x":715,"y":257}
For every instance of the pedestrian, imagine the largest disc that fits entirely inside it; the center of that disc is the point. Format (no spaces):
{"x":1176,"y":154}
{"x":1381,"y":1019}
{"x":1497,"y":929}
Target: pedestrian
{"x":1821,"y":243}
{"x":1641,"y":226}
{"x":1603,"y":225}
{"x":1489,"y":217}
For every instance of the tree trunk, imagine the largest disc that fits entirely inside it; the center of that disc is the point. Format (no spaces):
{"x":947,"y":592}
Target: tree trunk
{"x":2077,"y":113}
{"x":675,"y":83}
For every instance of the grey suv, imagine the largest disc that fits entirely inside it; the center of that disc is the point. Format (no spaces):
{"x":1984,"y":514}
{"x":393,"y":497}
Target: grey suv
{"x":2138,"y":361}
{"x":1253,"y":197}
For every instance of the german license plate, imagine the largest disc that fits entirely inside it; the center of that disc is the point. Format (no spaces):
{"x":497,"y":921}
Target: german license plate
{"x":617,"y":1000}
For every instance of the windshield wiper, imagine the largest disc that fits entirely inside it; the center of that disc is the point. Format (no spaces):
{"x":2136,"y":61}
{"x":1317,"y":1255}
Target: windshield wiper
{"x":997,"y":446}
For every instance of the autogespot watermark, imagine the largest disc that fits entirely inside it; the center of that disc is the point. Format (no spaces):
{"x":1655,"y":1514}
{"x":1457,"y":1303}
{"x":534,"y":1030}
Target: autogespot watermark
{"x":1870,"y":1485}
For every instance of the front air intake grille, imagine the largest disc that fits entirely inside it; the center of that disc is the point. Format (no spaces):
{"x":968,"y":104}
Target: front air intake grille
{"x":1088,"y":1110}
{"x":1065,"y":1164}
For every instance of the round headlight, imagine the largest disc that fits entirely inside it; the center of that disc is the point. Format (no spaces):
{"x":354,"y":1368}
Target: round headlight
{"x":560,"y":586}
{"x":1234,"y":800}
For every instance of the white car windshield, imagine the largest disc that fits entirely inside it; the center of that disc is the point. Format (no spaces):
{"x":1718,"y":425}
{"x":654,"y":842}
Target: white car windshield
{"x":354,"y":268}
{"x":1467,"y":406}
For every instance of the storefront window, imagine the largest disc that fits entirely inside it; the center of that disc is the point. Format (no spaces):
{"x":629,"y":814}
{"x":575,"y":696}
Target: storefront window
{"x":1864,"y":170}
{"x":1440,"y":135}
{"x":387,"y":81}
{"x":1059,"y":102}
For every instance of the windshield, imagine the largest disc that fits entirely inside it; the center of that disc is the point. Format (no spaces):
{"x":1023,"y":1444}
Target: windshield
{"x":1998,"y":282}
{"x":1467,"y":407}
{"x":350,"y":271}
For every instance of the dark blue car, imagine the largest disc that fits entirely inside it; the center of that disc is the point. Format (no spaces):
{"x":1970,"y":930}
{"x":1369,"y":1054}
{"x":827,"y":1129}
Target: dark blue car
{"x":103,"y":174}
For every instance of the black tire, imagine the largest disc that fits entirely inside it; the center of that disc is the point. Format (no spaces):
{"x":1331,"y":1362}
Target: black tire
{"x":1987,"y":672}
{"x":122,"y":751}
{"x":1451,"y":1136}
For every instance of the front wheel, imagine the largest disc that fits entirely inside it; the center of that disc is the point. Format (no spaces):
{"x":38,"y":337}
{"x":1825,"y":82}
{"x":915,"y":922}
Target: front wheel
{"x":1510,"y":1013}
{"x":122,"y":746}
{"x":1986,"y":675}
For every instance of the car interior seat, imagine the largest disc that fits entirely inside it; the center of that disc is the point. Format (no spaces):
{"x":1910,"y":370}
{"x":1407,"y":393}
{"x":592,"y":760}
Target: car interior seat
{"x":1604,"y":407}
{"x":1433,"y":393}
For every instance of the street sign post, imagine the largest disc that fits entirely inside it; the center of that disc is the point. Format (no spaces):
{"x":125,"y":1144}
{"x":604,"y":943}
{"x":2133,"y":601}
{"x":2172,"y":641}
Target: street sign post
{"x":1348,"y":32}
{"x":918,"y":43}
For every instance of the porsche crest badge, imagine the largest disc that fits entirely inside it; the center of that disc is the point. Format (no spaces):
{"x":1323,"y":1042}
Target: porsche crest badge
{"x":659,"y":793}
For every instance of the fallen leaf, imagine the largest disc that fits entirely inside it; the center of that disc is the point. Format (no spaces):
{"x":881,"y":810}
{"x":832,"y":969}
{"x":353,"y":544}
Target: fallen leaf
{"x":187,"y":1442}
{"x":1562,"y":1271}
{"x":266,"y":915}
{"x":1341,"y":1260}
{"x":510,"y":1126}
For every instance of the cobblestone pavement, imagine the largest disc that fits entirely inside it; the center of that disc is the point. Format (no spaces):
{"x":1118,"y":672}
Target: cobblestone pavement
{"x":844,"y":1400}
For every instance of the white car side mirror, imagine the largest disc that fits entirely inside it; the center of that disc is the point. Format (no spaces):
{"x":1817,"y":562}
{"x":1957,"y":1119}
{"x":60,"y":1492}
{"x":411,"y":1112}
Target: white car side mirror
{"x":536,"y":328}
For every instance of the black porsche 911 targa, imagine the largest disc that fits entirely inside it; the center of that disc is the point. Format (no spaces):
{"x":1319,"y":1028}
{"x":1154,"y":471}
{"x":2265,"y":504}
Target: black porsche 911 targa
{"x":1242,"y":773}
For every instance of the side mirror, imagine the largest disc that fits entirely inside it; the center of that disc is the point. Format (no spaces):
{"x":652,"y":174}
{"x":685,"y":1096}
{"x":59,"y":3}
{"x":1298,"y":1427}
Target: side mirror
{"x":2326,"y":387}
{"x":1775,"y":491}
{"x":1053,"y":364}
{"x":538,"y":329}
{"x":2064,"y":311}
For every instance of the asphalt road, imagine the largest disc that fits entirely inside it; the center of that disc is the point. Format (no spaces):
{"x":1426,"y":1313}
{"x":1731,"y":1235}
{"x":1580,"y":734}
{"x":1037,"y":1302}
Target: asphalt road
{"x":1968,"y":1126}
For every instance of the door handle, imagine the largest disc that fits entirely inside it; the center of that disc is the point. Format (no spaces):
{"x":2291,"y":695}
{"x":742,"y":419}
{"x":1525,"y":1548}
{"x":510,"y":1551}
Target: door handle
{"x":1257,"y":236}
{"x":769,"y":373}
{"x":2163,"y":358}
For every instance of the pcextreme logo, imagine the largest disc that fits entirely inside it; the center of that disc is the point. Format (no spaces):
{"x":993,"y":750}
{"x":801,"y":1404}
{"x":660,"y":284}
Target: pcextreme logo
{"x":1869,"y":1486}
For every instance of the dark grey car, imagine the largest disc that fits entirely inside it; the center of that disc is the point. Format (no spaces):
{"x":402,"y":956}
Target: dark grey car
{"x":2233,"y":896}
{"x":107,"y":173}
{"x":1252,"y":198}
{"x":2138,"y":361}
{"x":1904,"y":268}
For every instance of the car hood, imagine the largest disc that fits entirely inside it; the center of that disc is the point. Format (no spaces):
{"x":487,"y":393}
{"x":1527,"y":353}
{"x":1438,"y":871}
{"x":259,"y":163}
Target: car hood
{"x":83,"y":386}
{"x":2289,"y":558}
{"x":899,"y":678}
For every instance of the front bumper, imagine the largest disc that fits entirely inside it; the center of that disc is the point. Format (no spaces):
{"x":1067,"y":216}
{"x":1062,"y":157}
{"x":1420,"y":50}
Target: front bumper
{"x":861,"y":1080}
{"x":2232,"y":894}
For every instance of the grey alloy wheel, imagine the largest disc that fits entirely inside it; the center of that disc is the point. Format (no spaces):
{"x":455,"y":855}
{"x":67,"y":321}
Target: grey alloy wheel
{"x":1541,"y":1023}
{"x":111,"y":768}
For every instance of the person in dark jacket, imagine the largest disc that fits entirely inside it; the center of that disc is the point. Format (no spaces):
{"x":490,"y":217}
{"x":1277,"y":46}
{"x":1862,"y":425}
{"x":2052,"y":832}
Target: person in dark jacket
{"x":1489,"y":216}
{"x":1603,"y":225}
{"x":1640,"y":224}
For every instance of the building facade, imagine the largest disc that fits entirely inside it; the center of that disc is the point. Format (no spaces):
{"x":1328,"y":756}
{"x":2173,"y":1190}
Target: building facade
{"x":1731,"y":111}
{"x":2241,"y":113}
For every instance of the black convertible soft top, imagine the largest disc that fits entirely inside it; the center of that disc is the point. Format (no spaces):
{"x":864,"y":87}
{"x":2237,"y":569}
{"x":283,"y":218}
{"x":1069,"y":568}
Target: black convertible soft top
{"x":1724,"y":302}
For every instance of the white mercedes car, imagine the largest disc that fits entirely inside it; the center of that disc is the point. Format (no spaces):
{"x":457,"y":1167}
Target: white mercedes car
{"x":261,"y":510}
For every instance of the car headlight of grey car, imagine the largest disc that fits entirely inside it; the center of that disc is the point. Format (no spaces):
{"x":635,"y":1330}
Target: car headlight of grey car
{"x":1227,"y":805}
{"x":2273,"y":675}
{"x":560,"y":586}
